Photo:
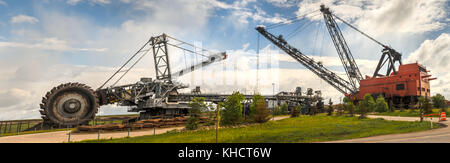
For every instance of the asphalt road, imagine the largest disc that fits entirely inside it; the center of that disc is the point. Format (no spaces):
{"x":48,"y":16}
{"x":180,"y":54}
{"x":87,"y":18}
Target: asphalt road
{"x":441,"y":135}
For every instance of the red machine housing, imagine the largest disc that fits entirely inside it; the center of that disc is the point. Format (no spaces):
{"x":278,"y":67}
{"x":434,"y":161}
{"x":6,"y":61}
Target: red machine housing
{"x":411,"y":82}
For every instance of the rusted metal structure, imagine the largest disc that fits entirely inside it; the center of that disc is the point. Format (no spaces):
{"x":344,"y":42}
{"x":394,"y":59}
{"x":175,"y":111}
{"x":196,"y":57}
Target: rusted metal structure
{"x":402,"y":86}
{"x":405,"y":87}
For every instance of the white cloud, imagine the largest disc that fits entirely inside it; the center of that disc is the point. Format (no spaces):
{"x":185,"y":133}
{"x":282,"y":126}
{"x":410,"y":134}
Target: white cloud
{"x":283,"y":3}
{"x":435,"y":54}
{"x":379,"y":17}
{"x":3,"y":3}
{"x":73,"y":2}
{"x":49,"y":44}
{"x":31,"y":58}
{"x":101,"y":2}
{"x":23,"y":19}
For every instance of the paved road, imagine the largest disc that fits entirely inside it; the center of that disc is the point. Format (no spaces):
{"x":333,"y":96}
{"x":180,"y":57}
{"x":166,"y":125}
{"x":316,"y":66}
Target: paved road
{"x":441,"y":135}
{"x":62,"y":136}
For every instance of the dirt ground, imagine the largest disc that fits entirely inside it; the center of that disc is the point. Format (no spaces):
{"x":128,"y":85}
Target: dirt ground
{"x":63,"y":136}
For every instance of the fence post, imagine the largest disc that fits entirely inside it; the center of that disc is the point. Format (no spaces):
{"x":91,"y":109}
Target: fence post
{"x":6,"y":127}
{"x":18,"y":127}
{"x":9,"y":130}
{"x":68,"y":141}
{"x":154,"y":130}
{"x":98,"y":137}
{"x":128,"y":132}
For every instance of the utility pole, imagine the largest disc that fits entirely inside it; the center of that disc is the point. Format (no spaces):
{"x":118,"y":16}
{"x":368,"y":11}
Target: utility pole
{"x":273,"y":102}
{"x":217,"y":121}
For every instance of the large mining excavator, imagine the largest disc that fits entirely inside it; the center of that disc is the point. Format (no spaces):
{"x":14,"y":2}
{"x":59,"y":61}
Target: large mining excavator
{"x":73,"y":104}
{"x":402,"y":86}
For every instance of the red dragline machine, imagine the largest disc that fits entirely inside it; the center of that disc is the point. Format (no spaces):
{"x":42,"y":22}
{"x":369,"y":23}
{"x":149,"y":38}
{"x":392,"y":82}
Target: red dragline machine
{"x":403,"y":85}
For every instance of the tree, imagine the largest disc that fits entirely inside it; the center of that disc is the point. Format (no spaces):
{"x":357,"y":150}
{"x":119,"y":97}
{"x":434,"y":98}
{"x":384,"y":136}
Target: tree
{"x":421,"y":100}
{"x":296,"y":111}
{"x":276,"y":110}
{"x":255,"y":99}
{"x":232,"y":113}
{"x":439,"y":102}
{"x":391,"y":106}
{"x":350,"y":108}
{"x":369,"y":103}
{"x":330,"y":108}
{"x":340,"y":110}
{"x":346,"y":99}
{"x":427,"y":107}
{"x":381,"y":105}
{"x":284,"y":108}
{"x":261,"y":114}
{"x":197,"y":104}
{"x":362,"y":110}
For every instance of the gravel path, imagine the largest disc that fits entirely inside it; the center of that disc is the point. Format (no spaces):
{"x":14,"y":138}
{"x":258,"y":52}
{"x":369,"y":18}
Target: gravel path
{"x":441,"y":135}
{"x":62,"y":136}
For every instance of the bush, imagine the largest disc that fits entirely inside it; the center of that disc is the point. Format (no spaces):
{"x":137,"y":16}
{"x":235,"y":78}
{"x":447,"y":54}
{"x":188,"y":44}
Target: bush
{"x":296,"y":111}
{"x":330,"y":108}
{"x":427,"y":107}
{"x":350,"y":108}
{"x":276,"y":110}
{"x":284,"y":108}
{"x":197,"y":104}
{"x":362,"y":110}
{"x":340,"y":110}
{"x":261,"y":114}
{"x":391,"y":106}
{"x":381,"y":105}
{"x":232,"y":114}
{"x":438,"y":101}
{"x":369,"y":103}
{"x":255,"y":99}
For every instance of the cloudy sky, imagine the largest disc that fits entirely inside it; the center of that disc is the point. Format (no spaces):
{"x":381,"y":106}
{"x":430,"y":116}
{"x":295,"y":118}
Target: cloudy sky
{"x":47,"y":42}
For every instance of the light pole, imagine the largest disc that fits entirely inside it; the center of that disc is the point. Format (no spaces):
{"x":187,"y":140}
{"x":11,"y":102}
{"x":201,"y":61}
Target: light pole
{"x":273,"y":102}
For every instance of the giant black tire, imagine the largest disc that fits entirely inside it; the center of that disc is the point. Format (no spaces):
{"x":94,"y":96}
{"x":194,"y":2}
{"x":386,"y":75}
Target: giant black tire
{"x":69,"y":104}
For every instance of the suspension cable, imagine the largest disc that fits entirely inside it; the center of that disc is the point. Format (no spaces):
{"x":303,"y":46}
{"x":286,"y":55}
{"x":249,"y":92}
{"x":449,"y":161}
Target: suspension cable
{"x":186,"y":49}
{"x":189,"y":44}
{"x":145,"y":53}
{"x":290,"y":20}
{"x":359,"y":31}
{"x":139,"y":59}
{"x":315,"y":38}
{"x":300,"y":29}
{"x":139,"y":51}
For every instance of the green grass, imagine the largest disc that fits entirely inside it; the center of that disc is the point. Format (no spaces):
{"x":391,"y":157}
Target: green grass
{"x":406,"y":113}
{"x":291,"y":130}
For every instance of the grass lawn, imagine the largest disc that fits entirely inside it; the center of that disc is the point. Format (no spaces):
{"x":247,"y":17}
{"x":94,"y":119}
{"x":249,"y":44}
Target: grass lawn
{"x":291,"y":130}
{"x":406,"y":113}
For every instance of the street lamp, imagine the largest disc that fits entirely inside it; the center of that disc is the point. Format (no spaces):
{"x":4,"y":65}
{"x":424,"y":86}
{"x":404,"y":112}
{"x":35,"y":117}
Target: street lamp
{"x":273,"y":102}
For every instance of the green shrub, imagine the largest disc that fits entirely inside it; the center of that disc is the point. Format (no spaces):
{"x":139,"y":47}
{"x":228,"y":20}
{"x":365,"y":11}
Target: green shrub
{"x":381,"y":105}
{"x":284,"y":108}
{"x":362,"y":110}
{"x":350,"y":108}
{"x":232,"y":113}
{"x":369,"y":103}
{"x":197,"y":104}
{"x":296,"y":111}
{"x":261,"y":114}
{"x":276,"y":110}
